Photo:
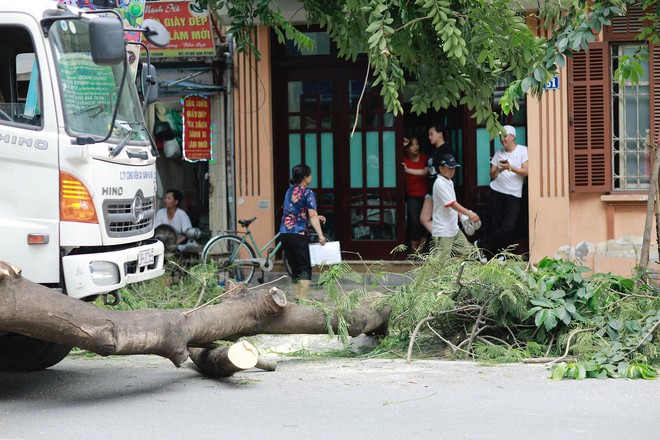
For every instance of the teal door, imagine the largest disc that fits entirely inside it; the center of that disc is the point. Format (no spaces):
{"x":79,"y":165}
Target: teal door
{"x":329,"y":120}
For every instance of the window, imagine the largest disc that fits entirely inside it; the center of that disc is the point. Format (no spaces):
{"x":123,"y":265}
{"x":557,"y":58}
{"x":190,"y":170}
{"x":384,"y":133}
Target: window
{"x":611,"y":124}
{"x":321,"y":45}
{"x":631,"y":156}
{"x":20,"y":88}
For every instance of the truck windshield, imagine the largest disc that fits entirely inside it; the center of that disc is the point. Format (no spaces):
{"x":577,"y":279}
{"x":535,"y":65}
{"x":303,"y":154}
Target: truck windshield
{"x":90,"y":91}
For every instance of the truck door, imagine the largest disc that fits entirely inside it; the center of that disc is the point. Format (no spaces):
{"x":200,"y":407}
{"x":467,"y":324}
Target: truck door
{"x":29,"y":175}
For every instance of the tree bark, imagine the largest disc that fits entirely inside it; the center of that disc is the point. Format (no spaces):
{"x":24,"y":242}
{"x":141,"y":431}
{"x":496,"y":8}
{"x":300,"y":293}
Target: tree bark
{"x":33,"y":310}
{"x":651,"y":210}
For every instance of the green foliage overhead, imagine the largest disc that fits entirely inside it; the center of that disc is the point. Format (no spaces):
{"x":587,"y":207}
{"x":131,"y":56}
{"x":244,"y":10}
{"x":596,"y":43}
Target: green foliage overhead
{"x":451,"y":51}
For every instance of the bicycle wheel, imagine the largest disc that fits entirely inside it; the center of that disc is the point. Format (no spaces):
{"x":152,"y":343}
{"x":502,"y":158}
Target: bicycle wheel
{"x":233,"y":257}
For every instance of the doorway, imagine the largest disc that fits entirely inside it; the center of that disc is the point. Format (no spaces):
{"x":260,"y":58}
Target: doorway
{"x":326,"y":116}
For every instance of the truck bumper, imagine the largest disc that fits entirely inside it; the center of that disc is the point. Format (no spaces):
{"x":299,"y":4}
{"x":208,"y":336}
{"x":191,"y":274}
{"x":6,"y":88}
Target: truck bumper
{"x":94,"y":274}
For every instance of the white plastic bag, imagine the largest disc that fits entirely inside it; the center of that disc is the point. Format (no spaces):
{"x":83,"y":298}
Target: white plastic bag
{"x":469,"y":227}
{"x":172,"y":149}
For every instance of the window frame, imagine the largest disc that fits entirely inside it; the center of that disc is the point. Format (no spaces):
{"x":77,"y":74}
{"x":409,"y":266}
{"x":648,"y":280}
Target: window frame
{"x":590,"y":142}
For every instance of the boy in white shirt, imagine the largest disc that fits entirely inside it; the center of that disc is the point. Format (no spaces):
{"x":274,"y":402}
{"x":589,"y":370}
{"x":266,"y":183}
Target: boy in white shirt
{"x":449,"y":240}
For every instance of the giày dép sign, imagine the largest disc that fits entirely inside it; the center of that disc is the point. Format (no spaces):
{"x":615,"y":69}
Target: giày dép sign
{"x":197,"y":133}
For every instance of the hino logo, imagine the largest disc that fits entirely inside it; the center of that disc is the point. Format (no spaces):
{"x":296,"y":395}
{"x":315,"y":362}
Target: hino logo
{"x":39,"y":144}
{"x":112,"y":191}
{"x":137,"y":208}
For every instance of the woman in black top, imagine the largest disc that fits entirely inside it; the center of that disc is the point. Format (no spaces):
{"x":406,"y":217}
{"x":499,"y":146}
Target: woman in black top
{"x":439,"y":137}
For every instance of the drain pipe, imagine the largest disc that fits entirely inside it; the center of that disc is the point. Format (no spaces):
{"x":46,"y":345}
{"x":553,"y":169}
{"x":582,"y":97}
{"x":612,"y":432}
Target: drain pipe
{"x":229,"y":146}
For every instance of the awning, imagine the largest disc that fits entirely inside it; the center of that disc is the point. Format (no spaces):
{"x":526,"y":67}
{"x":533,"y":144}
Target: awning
{"x":187,"y":86}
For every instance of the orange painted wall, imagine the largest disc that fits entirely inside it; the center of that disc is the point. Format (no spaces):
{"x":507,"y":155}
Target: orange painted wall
{"x":253,"y":139}
{"x":568,"y":224}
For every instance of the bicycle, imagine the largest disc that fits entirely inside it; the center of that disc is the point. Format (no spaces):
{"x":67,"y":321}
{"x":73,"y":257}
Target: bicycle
{"x":237,"y":259}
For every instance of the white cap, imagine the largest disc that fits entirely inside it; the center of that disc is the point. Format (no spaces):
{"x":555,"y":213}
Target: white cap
{"x":510,"y":130}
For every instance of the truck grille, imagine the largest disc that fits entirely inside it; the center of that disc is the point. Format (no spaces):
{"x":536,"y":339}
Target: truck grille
{"x":125,"y":218}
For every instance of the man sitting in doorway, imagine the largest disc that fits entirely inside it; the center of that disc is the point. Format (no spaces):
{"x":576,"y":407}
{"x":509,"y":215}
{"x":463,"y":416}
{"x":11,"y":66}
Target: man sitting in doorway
{"x":174,"y":216}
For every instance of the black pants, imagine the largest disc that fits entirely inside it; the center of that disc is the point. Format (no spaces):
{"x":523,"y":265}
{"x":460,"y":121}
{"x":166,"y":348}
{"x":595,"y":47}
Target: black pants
{"x":296,"y":252}
{"x":504,"y":213}
{"x":414,"y":209}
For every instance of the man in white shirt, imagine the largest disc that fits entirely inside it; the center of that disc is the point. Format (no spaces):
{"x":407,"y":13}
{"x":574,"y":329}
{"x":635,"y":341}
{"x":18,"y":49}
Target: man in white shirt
{"x":172,"y":215}
{"x":449,"y":240}
{"x":508,"y":171}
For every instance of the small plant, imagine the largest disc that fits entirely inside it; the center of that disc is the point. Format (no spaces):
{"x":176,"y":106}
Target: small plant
{"x":196,"y":285}
{"x":592,"y":369}
{"x":561,"y":293}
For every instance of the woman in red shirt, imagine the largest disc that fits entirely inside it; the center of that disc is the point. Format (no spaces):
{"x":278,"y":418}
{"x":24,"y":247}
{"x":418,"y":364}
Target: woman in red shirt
{"x":414,"y":165}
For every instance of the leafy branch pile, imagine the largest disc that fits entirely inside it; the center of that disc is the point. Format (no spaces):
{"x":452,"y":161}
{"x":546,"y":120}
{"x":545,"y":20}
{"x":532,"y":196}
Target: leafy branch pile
{"x":585,"y":326}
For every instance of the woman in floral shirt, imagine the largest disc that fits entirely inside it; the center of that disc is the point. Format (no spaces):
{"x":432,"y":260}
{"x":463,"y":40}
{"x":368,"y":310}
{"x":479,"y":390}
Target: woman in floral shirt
{"x":299,"y":209}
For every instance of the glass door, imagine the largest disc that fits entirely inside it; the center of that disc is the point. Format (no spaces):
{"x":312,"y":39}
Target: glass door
{"x":329,"y":120}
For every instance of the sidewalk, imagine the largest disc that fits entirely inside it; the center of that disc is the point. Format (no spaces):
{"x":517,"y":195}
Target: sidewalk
{"x":392,"y":274}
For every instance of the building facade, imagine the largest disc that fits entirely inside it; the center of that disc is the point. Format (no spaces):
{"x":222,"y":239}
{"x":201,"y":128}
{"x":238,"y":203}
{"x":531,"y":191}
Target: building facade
{"x":588,"y":139}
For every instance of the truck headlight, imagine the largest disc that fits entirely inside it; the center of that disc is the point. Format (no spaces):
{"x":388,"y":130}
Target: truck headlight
{"x":104,"y":273}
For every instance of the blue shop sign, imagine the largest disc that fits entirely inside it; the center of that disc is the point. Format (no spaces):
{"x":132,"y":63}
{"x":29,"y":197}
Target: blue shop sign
{"x":553,"y":84}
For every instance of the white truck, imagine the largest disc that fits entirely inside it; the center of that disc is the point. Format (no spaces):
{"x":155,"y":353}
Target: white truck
{"x":77,"y":164}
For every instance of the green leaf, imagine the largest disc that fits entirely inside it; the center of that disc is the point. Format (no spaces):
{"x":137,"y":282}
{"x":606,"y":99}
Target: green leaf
{"x":556,"y":294}
{"x":550,"y":321}
{"x":532,"y":311}
{"x":570,"y":307}
{"x":559,"y":371}
{"x":526,"y":83}
{"x":540,"y":317}
{"x":647,"y":371}
{"x":562,"y":44}
{"x":615,"y":324}
{"x":538,"y":74}
{"x":560,"y":312}
{"x":541,"y":302}
{"x":560,"y":61}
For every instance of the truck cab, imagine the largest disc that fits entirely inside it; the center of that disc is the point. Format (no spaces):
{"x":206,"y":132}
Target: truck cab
{"x":77,"y":164}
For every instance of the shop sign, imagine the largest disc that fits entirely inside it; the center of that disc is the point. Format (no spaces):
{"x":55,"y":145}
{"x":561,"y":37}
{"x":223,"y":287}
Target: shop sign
{"x":553,"y":84}
{"x":189,"y":26}
{"x":197,"y":128}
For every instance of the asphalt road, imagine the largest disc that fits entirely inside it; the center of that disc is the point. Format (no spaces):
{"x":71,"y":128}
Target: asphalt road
{"x":145,"y":397}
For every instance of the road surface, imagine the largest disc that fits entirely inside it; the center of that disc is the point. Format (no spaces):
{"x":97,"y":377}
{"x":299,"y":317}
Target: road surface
{"x":146,"y":397}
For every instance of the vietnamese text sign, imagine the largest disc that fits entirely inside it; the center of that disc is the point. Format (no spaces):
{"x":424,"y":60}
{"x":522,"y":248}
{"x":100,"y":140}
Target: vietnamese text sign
{"x":86,"y":85}
{"x":189,"y":26}
{"x":196,"y":128}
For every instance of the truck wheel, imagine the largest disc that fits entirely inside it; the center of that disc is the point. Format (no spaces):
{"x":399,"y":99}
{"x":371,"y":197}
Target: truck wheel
{"x":22,"y":353}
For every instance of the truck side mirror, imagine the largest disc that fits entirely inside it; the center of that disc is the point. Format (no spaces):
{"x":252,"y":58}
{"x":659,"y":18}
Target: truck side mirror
{"x":106,"y":39}
{"x":148,"y":84}
{"x":155,"y":32}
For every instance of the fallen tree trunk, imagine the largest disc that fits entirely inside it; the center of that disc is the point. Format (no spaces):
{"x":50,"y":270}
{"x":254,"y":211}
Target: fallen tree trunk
{"x":30,"y":309}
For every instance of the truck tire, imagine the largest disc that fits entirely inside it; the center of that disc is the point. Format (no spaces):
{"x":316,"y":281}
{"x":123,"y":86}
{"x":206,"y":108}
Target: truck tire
{"x":23,"y":353}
